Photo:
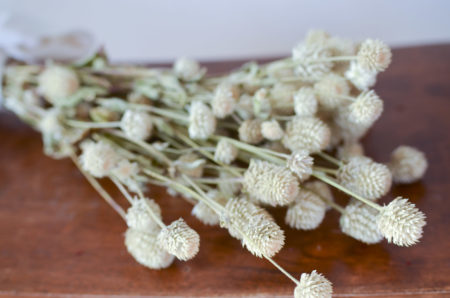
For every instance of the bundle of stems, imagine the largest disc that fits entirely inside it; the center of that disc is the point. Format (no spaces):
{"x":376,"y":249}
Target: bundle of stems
{"x":230,"y":145}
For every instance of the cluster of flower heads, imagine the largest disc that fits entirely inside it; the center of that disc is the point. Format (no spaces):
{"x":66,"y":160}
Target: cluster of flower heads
{"x":231,"y":145}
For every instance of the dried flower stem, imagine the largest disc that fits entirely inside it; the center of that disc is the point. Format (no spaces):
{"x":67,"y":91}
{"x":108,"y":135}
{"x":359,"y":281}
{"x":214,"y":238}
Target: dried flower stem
{"x":103,"y":193}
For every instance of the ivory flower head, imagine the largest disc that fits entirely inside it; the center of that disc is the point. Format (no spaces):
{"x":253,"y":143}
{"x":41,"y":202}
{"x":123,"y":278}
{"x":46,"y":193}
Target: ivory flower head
{"x":407,"y":164}
{"x":202,"y":122}
{"x":374,"y":55}
{"x":366,"y":108}
{"x":271,"y":130}
{"x":401,"y":222}
{"x":307,"y":211}
{"x":301,"y":164}
{"x":254,"y":226}
{"x":225,"y":100}
{"x":307,"y":133}
{"x":269,"y":183}
{"x":225,"y":152}
{"x":56,"y":83}
{"x":188,"y":69}
{"x":98,"y":158}
{"x":138,"y":216}
{"x":305,"y":102}
{"x":136,"y":125}
{"x":144,"y":248}
{"x":313,"y":285}
{"x":180,"y":240}
{"x":250,"y":131}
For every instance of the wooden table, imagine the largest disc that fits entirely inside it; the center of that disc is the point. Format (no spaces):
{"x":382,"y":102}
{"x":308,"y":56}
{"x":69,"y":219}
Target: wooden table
{"x":57,"y":236}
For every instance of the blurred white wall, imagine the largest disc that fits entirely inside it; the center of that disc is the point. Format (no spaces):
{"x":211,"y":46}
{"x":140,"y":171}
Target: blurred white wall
{"x":160,"y":30}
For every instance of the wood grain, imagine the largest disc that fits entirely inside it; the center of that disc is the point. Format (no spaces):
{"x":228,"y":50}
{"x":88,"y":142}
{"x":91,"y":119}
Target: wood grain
{"x":57,"y":237}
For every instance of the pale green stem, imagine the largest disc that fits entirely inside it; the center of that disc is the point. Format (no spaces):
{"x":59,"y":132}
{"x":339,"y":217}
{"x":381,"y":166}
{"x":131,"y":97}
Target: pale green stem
{"x":330,"y":158}
{"x":205,"y":153}
{"x":216,"y":180}
{"x":163,"y":112}
{"x":325,"y":170}
{"x":330,"y":181}
{"x":86,"y":124}
{"x":200,"y":191}
{"x":103,"y":193}
{"x":282,"y":270}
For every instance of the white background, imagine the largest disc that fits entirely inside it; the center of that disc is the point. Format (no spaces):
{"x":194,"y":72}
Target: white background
{"x":161,"y":30}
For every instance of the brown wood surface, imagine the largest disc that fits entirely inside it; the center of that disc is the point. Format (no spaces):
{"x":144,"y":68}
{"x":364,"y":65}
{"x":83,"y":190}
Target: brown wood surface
{"x":57,"y":236}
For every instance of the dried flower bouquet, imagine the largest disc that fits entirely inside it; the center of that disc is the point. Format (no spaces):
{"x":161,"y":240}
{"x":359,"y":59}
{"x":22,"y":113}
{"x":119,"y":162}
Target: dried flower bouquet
{"x":230,"y":145}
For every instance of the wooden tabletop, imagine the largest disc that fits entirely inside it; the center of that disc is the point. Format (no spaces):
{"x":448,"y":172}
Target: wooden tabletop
{"x":57,"y":236}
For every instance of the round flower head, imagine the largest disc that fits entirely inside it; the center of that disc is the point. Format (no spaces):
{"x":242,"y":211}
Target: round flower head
{"x":407,"y":164}
{"x":254,"y":226}
{"x":282,"y":97}
{"x":204,"y":213}
{"x":350,"y":149}
{"x":308,"y":133}
{"x":313,"y":285}
{"x":56,"y":83}
{"x":145,"y":249}
{"x":136,"y":125}
{"x":271,"y":130}
{"x":330,"y":90}
{"x":245,"y":106}
{"x":190,"y":164}
{"x":50,"y":124}
{"x":401,"y":222}
{"x":225,"y":152}
{"x":367,"y":178}
{"x":374,"y":55}
{"x":202,"y":122}
{"x":366,"y":108}
{"x":250,"y":131}
{"x":360,"y":77}
{"x":359,"y":222}
{"x":305,"y":102}
{"x":125,"y":170}
{"x":179,"y":240}
{"x":301,"y":164}
{"x":188,"y":69}
{"x":321,"y":189}
{"x":309,"y":59}
{"x":98,"y":159}
{"x":138,"y":216}
{"x":269,"y":183}
{"x":307,"y":211}
{"x":224,"y":100}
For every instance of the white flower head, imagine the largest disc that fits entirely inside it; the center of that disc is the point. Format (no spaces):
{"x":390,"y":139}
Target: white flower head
{"x":271,"y":130}
{"x":269,"y":183}
{"x":308,"y":133}
{"x":407,"y":164}
{"x":98,"y":158}
{"x":360,"y":222}
{"x":51,"y":125}
{"x":313,"y":285}
{"x":225,"y":100}
{"x":254,"y":226}
{"x":360,"y":77}
{"x":250,"y":131}
{"x":56,"y":83}
{"x":310,"y":60}
{"x":188,"y":70}
{"x":136,"y":125}
{"x":365,"y":177}
{"x":330,"y":90}
{"x":305,"y":102}
{"x":145,"y":249}
{"x":202,"y":122}
{"x":226,"y":186}
{"x":301,"y":163}
{"x":262,"y":106}
{"x":348,"y":130}
{"x":321,"y":189}
{"x":366,"y":108}
{"x":225,"y":152}
{"x":374,"y":55}
{"x":307,"y":212}
{"x":138,"y":216}
{"x":179,"y":240}
{"x":401,"y":222}
{"x":282,"y":97}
